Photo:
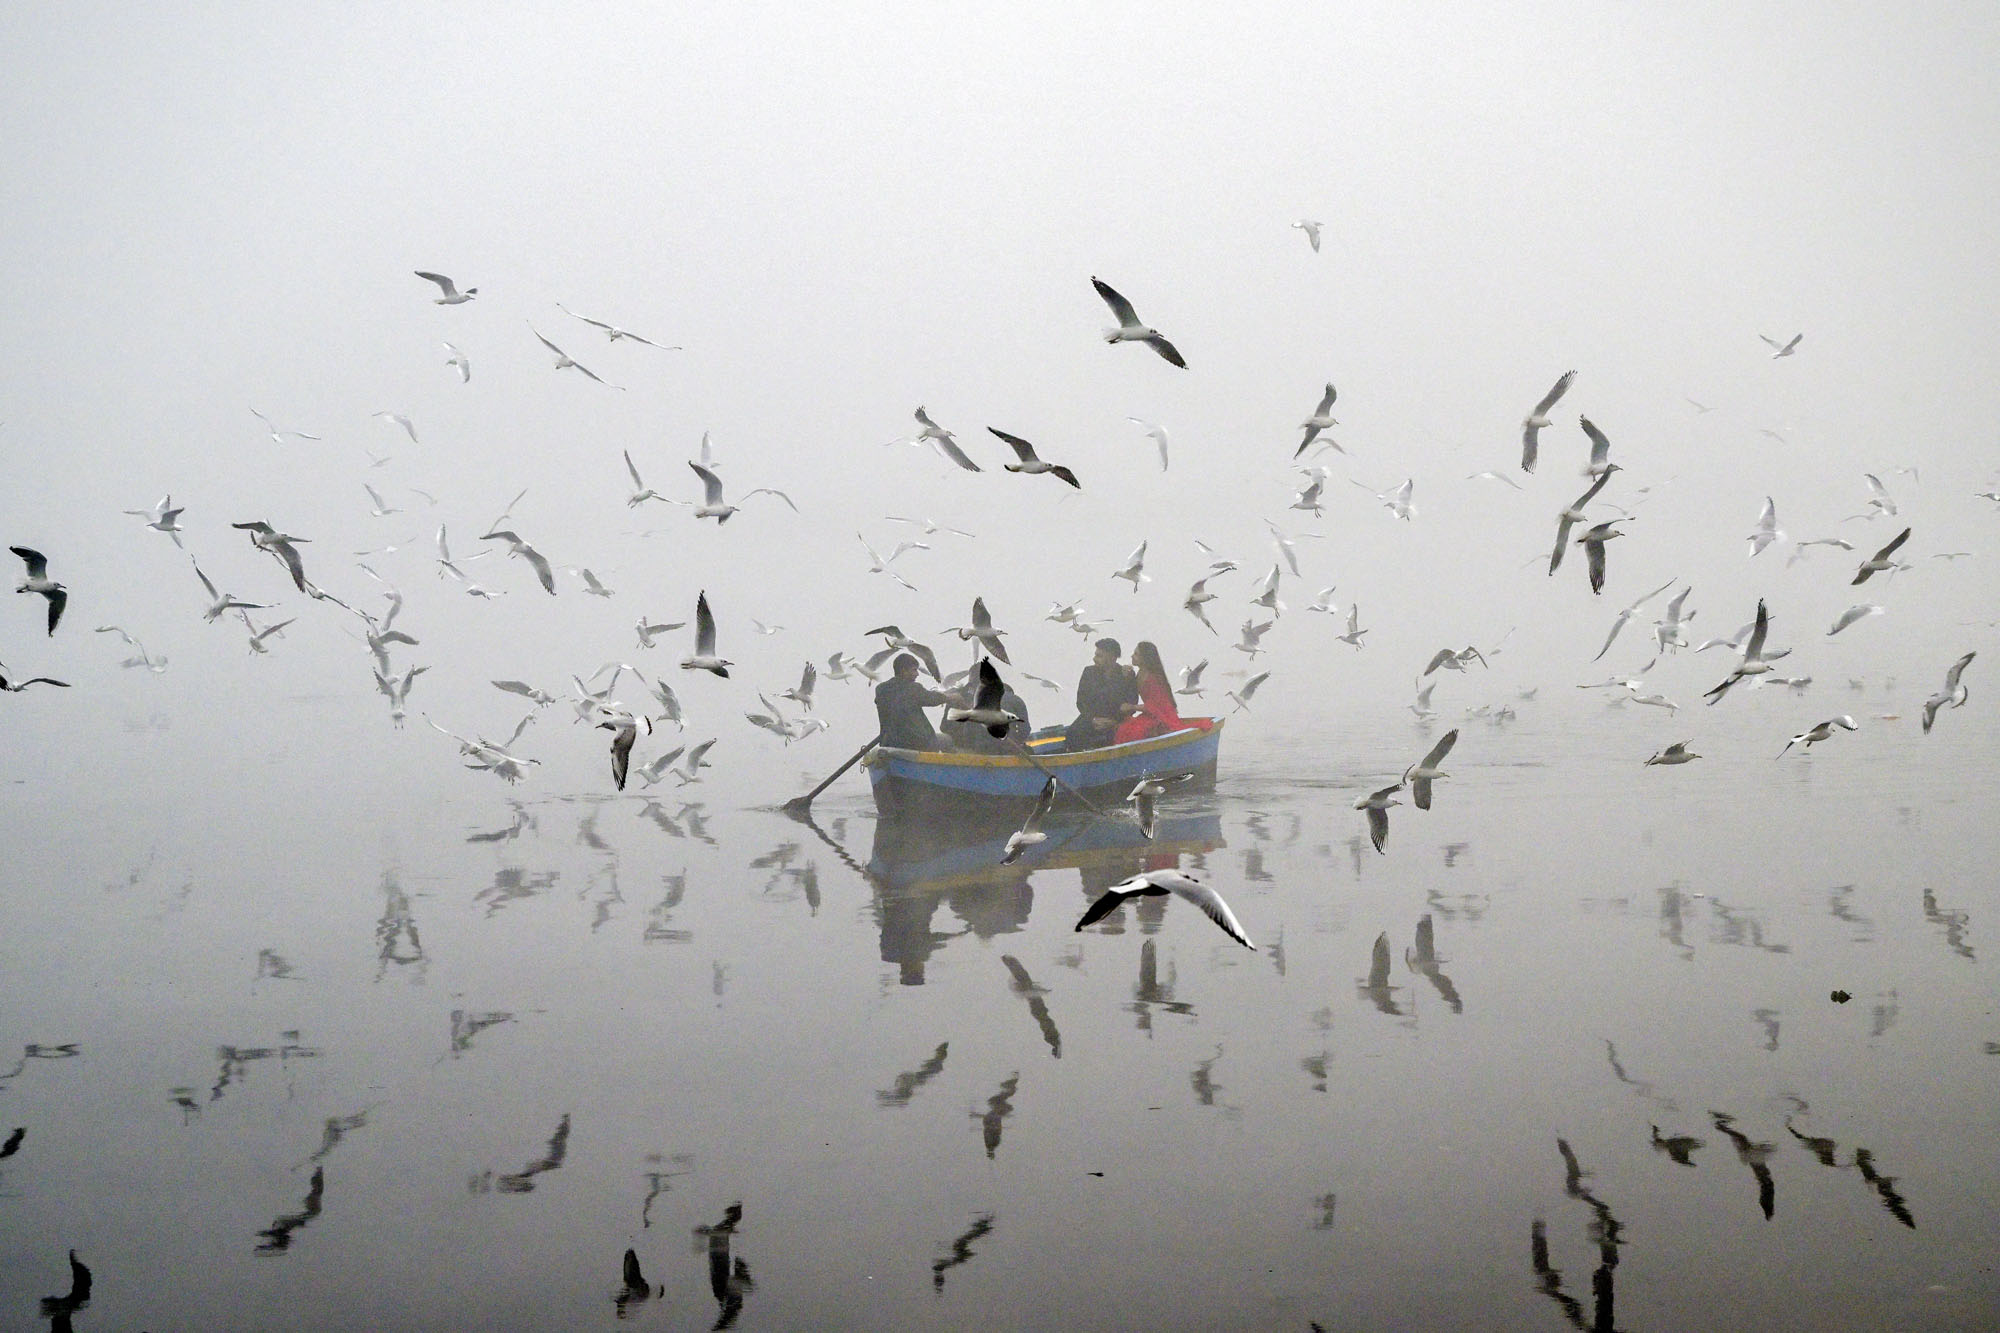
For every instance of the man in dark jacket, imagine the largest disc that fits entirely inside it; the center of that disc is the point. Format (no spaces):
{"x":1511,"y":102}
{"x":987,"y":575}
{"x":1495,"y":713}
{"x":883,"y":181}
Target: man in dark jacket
{"x":1105,"y":695}
{"x":899,"y":709}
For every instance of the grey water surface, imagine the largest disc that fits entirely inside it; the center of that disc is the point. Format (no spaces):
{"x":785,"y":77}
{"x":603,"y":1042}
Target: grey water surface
{"x":398,"y":1059}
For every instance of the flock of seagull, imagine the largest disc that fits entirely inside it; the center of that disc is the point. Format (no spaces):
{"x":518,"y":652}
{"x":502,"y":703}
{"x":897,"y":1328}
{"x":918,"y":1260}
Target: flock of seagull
{"x":980,"y":682}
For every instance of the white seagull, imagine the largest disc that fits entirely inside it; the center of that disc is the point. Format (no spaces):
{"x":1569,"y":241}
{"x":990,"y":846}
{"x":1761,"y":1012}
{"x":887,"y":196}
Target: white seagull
{"x":398,"y":691}
{"x":1158,"y":435}
{"x":612,"y":331}
{"x":1782,"y":349}
{"x":715,"y":507}
{"x":942,"y":440}
{"x":1321,"y":419}
{"x":564,"y":361}
{"x":37,"y":580}
{"x":460,"y":362}
{"x":1377,"y":804}
{"x":163,"y":517}
{"x":1134,"y":569}
{"x":1882,"y":559}
{"x":1754,"y":662}
{"x":1311,"y":228}
{"x":704,"y":657}
{"x":409,"y":426}
{"x":1677,"y":753}
{"x":1953,"y":695}
{"x":1354,"y":630}
{"x":222,"y":603}
{"x":1243,"y":692}
{"x":1130,"y":329}
{"x":515,"y":546}
{"x":1531,"y":426}
{"x":1820,"y":732}
{"x":1030,"y":831}
{"x":1029,"y":463}
{"x":1159,"y":883}
{"x":1574,"y":514}
{"x":1421,"y":774}
{"x":1767,"y":530}
{"x":278,"y":435}
{"x":1852,"y":614}
{"x":452,"y":295}
{"x":1191,"y":679}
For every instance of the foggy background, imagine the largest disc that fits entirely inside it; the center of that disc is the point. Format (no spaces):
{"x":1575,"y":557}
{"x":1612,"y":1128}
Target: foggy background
{"x":840,"y":218}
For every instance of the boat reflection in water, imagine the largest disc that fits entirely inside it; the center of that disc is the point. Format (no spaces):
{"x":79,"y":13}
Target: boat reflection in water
{"x":921,"y":863}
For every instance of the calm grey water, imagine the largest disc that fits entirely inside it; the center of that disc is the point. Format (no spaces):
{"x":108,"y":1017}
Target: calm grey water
{"x":299,"y":1052}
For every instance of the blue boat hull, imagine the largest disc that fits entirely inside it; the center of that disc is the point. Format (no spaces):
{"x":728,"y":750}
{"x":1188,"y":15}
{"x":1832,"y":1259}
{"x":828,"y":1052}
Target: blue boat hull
{"x":911,"y":782}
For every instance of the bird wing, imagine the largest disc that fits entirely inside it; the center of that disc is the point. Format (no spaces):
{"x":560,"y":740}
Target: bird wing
{"x":1110,"y":902}
{"x":551,"y":346}
{"x":1563,"y":525}
{"x":1957,"y":669}
{"x":1593,"y":551}
{"x":58,"y":599}
{"x":1167,"y":350}
{"x":1378,"y":824}
{"x":766,"y":490}
{"x":1600,"y":446}
{"x":1121,"y":309}
{"x":1211,"y":904}
{"x":1046,"y":799}
{"x":38,"y":565}
{"x":1022,"y":449}
{"x":947,"y":446}
{"x":633,"y":471}
{"x":1060,"y":471}
{"x":711,"y":484}
{"x":704,"y":627}
{"x":541,"y":567}
{"x":449,"y":288}
{"x":1754,"y":650}
{"x":1441,"y":749}
{"x":1549,"y":398}
{"x":1890,"y":549}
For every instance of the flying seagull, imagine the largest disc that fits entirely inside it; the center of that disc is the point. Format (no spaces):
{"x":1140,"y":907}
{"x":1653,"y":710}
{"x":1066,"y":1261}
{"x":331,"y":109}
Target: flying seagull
{"x":612,"y":331}
{"x":1157,"y":433}
{"x":1311,"y":228}
{"x":1820,"y":732}
{"x":1630,"y":612}
{"x":1954,"y":694}
{"x":1321,"y":419}
{"x":1242,"y":694}
{"x":1130,"y":329}
{"x":460,"y":362}
{"x":1852,"y":614}
{"x":222,"y":603}
{"x":278,"y":435}
{"x":1420,"y":775}
{"x":1754,"y":662}
{"x":452,"y":295}
{"x":1782,"y":349}
{"x":1531,"y":427}
{"x":1677,"y":753}
{"x":564,"y":361}
{"x":1134,"y":569}
{"x":1030,"y":831}
{"x":942,"y":440}
{"x":16,"y":686}
{"x":1573,"y":515}
{"x":38,"y":580}
{"x":1377,"y":805}
{"x":986,"y":706}
{"x":981,"y":631}
{"x":1592,"y":542}
{"x":704,"y":657}
{"x":267,"y":538}
{"x":1600,"y":449}
{"x":715,"y":507}
{"x":1767,"y":530}
{"x":624,"y":729}
{"x":1159,"y":883}
{"x":163,"y":517}
{"x":1882,"y":559}
{"x":515,"y":546}
{"x":1029,"y":463}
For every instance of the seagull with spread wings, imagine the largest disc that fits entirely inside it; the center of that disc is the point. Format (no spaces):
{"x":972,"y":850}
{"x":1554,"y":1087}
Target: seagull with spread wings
{"x":451,"y":294}
{"x":1160,"y":883}
{"x":1029,"y":463}
{"x":1531,"y":426}
{"x":564,"y":361}
{"x":1130,"y":329}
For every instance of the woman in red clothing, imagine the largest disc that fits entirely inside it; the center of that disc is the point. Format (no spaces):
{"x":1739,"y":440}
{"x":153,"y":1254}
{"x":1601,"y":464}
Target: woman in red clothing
{"x":1156,"y":715}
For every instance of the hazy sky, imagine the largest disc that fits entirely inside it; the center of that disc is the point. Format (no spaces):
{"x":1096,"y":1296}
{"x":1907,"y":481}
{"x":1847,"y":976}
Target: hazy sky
{"x":841,"y":216}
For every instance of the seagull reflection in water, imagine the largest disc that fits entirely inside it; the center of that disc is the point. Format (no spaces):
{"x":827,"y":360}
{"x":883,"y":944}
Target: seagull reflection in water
{"x":1375,"y":987}
{"x":1604,"y":1230}
{"x":523,"y":1181}
{"x":659,"y":919}
{"x":633,"y":1290}
{"x":1422,"y":959}
{"x":1638,"y":1085}
{"x":906,"y":1084}
{"x":58,"y":1309}
{"x":1954,"y":922}
{"x":1150,"y":992}
{"x":1024,"y":985}
{"x":1756,"y":1156}
{"x":1826,"y":1152}
{"x":656,"y":1182}
{"x":465,"y":1025}
{"x":961,"y":1249}
{"x":277,"y":1237}
{"x":396,"y":939}
{"x":728,"y":1277}
{"x":511,"y":884}
{"x":998,"y":1107}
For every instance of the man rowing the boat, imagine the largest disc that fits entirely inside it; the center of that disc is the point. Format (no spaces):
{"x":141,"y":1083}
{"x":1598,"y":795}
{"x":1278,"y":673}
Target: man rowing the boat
{"x":899,"y":709}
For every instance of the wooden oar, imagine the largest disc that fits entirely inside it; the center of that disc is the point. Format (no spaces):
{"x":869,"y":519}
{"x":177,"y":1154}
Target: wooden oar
{"x":799,"y":806}
{"x":1028,"y":755}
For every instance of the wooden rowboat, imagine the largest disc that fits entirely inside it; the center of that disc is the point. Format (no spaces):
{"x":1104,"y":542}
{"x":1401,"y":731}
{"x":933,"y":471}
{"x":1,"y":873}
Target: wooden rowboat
{"x":916,"y":783}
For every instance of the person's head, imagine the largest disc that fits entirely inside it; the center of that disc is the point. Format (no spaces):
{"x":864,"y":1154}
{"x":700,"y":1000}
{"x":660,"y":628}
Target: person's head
{"x":905,"y":666}
{"x":1107,"y":651}
{"x":1147,"y":658}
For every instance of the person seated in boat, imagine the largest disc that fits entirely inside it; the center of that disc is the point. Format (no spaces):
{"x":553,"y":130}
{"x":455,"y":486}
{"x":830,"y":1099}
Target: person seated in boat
{"x":1155,"y":714}
{"x":974,"y":738}
{"x":900,"y":702}
{"x":1106,"y":695}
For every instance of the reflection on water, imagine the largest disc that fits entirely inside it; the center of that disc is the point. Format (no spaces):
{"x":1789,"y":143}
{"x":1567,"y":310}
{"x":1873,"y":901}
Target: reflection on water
{"x":573,"y":1026}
